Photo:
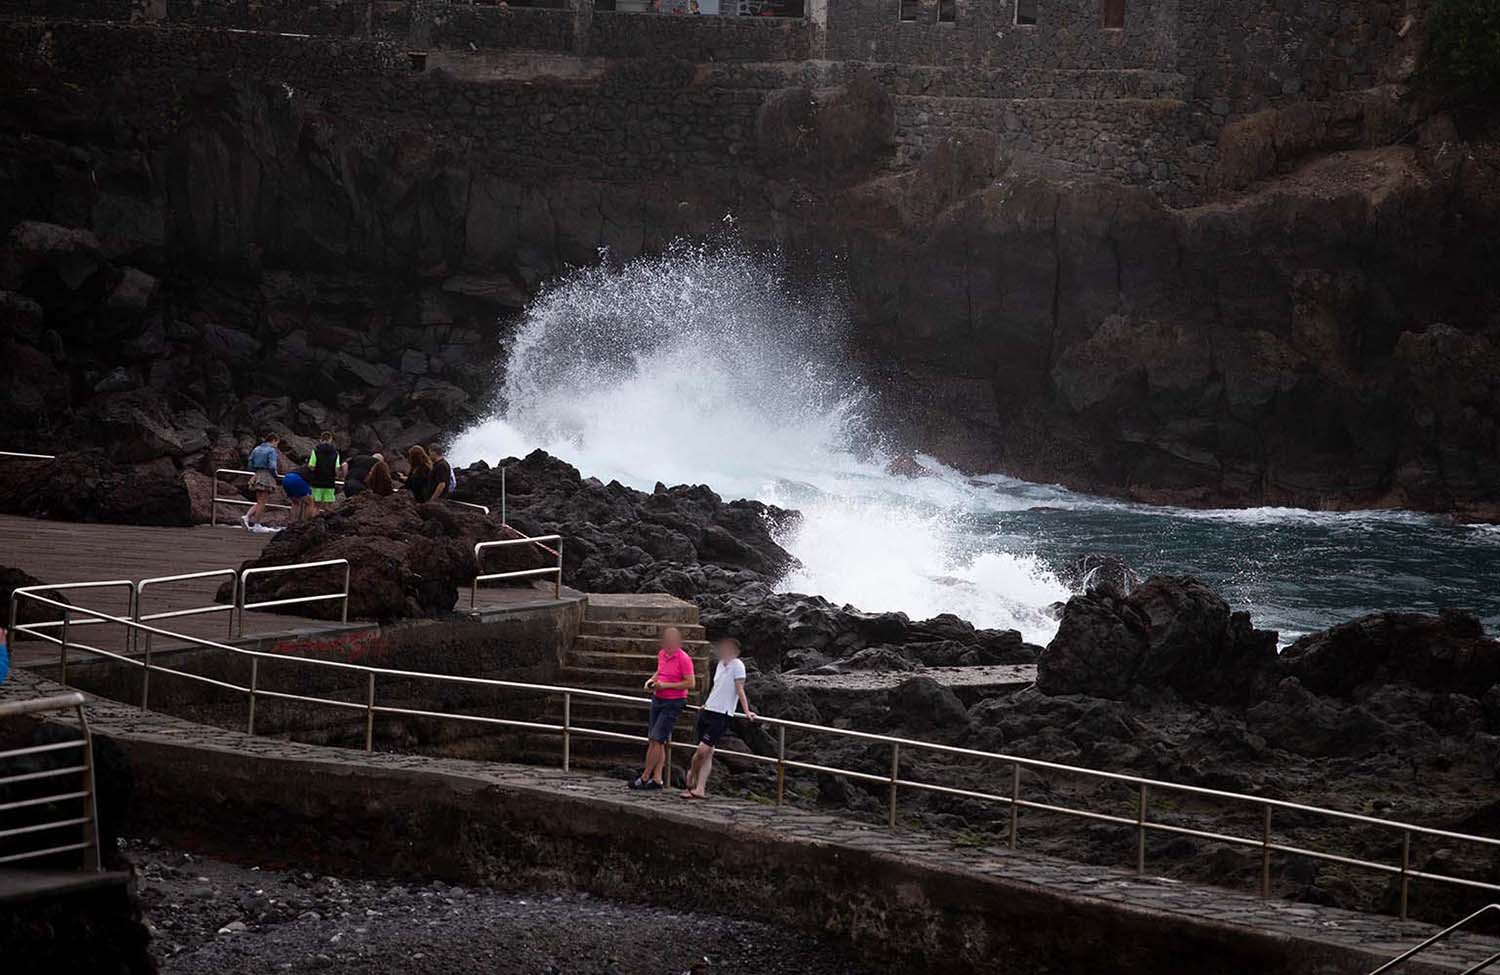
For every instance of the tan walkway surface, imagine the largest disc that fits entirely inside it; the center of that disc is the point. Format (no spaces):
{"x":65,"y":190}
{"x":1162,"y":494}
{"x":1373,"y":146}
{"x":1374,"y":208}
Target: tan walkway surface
{"x":1378,"y":936}
{"x":59,"y":552}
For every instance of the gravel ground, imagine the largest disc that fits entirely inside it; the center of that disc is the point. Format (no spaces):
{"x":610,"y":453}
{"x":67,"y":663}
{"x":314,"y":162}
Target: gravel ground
{"x":209,"y":917}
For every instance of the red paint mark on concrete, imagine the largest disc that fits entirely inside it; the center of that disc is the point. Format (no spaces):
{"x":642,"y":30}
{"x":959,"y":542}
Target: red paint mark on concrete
{"x":348,"y":647}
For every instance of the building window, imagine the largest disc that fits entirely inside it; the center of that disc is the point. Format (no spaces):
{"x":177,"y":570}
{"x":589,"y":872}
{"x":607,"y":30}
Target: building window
{"x":909,"y":9}
{"x":1026,"y":13}
{"x":1113,"y":15}
{"x":947,"y":11}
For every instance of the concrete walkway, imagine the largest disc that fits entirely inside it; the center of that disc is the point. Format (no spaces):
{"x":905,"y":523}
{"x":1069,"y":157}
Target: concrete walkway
{"x":1356,"y":942}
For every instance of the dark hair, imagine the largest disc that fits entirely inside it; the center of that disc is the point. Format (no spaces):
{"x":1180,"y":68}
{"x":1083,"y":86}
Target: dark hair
{"x":326,"y":436}
{"x":271,"y":435}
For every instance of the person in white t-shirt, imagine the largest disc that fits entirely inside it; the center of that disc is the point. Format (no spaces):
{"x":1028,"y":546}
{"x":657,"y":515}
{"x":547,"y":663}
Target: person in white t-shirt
{"x":728,"y":690}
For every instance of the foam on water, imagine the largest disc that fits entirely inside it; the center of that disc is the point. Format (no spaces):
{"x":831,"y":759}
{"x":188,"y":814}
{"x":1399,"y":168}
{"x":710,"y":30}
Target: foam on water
{"x":700,"y":366}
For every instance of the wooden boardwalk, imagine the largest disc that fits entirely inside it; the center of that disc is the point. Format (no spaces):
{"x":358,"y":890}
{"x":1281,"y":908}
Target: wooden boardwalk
{"x":58,"y":552}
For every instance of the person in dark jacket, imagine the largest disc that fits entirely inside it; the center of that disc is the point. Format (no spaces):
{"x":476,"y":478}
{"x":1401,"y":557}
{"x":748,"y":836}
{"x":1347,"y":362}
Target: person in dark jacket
{"x":325,"y":465}
{"x":442,"y":482}
{"x":357,"y":473}
{"x":419,"y":478}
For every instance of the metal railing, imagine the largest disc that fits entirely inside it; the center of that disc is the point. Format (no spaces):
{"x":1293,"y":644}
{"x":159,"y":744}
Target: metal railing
{"x":219,"y":499}
{"x":243,"y":591}
{"x":87,"y":820}
{"x":552,"y":570}
{"x":23,"y":456}
{"x":1140,"y":821}
{"x":1443,"y":936}
{"x":140,"y":617}
{"x":63,"y":624}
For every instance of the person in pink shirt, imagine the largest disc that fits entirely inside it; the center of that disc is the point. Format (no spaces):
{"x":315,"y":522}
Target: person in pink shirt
{"x":670,"y":685}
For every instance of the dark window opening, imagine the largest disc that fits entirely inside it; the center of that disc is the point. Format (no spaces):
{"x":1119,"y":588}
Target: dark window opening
{"x":1114,"y":14}
{"x":1026,"y":13}
{"x":947,"y":11}
{"x":909,"y":9}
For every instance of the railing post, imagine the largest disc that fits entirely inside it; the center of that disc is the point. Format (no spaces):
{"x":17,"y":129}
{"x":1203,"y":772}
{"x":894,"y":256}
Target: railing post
{"x":895,"y":778}
{"x":1405,"y":868}
{"x":1140,"y":834}
{"x":567,"y":729}
{"x":213,"y":505}
{"x":239,"y":603}
{"x":254,"y":679}
{"x":146,"y":677}
{"x":91,"y":853}
{"x":234,"y":599}
{"x":557,"y":589}
{"x":502,"y":496}
{"x":370,"y":713}
{"x":345,"y":616}
{"x":1265,"y":854}
{"x":780,"y":765}
{"x":668,"y":746}
{"x":1015,"y":798}
{"x":63,"y":648}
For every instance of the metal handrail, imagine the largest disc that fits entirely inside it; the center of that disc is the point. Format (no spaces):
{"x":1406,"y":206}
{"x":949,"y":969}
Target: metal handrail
{"x":483,"y":547}
{"x":16,"y":453}
{"x":244,"y":589}
{"x":1417,"y":949}
{"x":1140,"y":821}
{"x":30,"y":592}
{"x":140,"y":594}
{"x":89,"y":819}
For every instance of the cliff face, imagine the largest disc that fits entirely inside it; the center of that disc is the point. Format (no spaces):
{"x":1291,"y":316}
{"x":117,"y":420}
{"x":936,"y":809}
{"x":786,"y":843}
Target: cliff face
{"x":226,"y":239}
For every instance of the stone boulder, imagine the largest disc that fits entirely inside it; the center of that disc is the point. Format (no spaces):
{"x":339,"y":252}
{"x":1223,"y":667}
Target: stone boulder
{"x":1173,"y":632}
{"x":90,"y":487}
{"x":794,"y":631}
{"x":921,"y":704}
{"x":681,"y":540}
{"x":27,"y":611}
{"x":405,"y":559}
{"x":1448,"y":652}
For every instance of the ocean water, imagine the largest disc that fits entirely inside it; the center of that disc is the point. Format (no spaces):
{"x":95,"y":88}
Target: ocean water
{"x":704,"y":365}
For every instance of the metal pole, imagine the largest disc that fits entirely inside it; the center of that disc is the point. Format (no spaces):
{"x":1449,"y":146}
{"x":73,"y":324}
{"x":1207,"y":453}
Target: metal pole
{"x":1140,"y":836}
{"x":557,"y":589}
{"x":345,"y":617}
{"x":91,"y":853}
{"x":63,"y":648}
{"x":370,"y":713}
{"x":146,"y":677}
{"x":502,"y":496}
{"x":567,"y":729}
{"x":239,"y":604}
{"x":234,"y":598}
{"x":780,"y":765}
{"x":668,"y":747}
{"x":254,"y":679}
{"x":1265,"y":855}
{"x":1405,"y":867}
{"x":1015,"y":797}
{"x":213,"y":506}
{"x":895,"y":777}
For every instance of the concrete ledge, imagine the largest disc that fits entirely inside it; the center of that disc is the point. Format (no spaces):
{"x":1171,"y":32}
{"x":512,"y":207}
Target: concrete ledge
{"x":910,"y":897}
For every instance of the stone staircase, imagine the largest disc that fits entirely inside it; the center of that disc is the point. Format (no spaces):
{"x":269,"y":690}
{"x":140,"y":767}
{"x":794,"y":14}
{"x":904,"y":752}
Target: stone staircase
{"x":616,"y":651}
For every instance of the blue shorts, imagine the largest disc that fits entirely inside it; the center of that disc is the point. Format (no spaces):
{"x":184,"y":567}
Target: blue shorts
{"x":664,"y":715}
{"x":295,"y":487}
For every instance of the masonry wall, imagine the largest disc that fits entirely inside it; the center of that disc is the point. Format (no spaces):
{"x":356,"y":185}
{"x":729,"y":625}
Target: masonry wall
{"x":1068,"y":34}
{"x":637,"y":35}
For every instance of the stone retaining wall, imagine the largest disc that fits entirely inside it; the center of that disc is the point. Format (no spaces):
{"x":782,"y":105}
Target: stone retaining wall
{"x":632,"y":35}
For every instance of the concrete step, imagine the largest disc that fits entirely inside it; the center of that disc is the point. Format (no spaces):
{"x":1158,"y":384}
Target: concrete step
{"x":615,"y":681}
{"x":639,"y":630}
{"x":643,"y":664}
{"x":635,"y":645}
{"x":648,"y":607}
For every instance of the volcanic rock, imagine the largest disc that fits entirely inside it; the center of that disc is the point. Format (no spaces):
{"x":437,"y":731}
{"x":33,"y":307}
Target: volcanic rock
{"x":90,"y":487}
{"x":27,"y":611}
{"x":1446,"y":652}
{"x":405,"y":559}
{"x":1173,"y":632}
{"x":682,"y":540}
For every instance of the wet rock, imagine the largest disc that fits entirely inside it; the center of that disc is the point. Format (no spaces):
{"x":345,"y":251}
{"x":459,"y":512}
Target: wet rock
{"x":1445,"y":652}
{"x":683,"y":540}
{"x":91,"y":487}
{"x":1105,"y":573}
{"x":406,"y":560}
{"x":922,"y":704}
{"x":1173,"y":632}
{"x":27,"y":611}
